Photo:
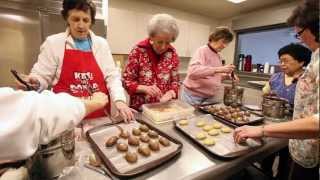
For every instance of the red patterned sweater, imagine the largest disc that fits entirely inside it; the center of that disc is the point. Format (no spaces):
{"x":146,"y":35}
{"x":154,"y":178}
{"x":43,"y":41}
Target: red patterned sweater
{"x":145,"y":67}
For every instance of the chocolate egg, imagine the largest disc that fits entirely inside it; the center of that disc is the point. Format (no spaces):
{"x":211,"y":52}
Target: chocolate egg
{"x":220,"y":112}
{"x":144,"y":138}
{"x":144,"y":150}
{"x":213,"y":110}
{"x":164,"y":141}
{"x":154,"y":145}
{"x":111,"y":141}
{"x":228,"y":116}
{"x":239,"y":119}
{"x":136,"y":131}
{"x":133,"y":141}
{"x":234,"y":115}
{"x":124,"y":134}
{"x":153,"y":134}
{"x":144,"y":128}
{"x":122,"y":147}
{"x":131,"y":157}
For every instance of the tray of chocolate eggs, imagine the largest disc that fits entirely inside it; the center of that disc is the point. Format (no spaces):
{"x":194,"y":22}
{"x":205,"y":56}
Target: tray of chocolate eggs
{"x":133,"y":148}
{"x":234,"y":115}
{"x":214,"y":136}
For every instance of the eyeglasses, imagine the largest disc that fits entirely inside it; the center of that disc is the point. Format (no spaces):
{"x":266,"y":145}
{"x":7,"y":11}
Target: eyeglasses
{"x":299,"y":33}
{"x":283,"y":61}
{"x":162,"y":43}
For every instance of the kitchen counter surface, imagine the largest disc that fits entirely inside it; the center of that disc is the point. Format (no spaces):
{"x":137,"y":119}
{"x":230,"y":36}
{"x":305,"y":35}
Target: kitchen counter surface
{"x":193,"y":162}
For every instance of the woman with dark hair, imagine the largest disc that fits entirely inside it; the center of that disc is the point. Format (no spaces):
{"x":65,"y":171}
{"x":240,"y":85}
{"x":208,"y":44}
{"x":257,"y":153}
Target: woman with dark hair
{"x":205,"y":71}
{"x":78,"y":62}
{"x":292,"y":59}
{"x":303,"y":132}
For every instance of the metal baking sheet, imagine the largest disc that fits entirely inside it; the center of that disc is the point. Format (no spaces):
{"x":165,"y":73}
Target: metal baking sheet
{"x":115,"y":161}
{"x":224,"y":147}
{"x":253,"y":119}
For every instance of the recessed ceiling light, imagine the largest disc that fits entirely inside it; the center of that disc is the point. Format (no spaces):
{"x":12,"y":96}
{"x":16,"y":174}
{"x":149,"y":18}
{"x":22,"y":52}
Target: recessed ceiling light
{"x":236,"y":1}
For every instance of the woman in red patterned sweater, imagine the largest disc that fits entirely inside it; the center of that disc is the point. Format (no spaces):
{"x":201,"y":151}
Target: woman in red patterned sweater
{"x":151,"y":74}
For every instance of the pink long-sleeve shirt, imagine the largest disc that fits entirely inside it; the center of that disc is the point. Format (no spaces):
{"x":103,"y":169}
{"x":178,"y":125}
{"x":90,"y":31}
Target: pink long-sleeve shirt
{"x":201,"y":80}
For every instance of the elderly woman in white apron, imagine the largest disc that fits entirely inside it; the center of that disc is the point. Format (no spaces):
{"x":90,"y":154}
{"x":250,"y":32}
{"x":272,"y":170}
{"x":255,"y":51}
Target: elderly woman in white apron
{"x":78,"y":62}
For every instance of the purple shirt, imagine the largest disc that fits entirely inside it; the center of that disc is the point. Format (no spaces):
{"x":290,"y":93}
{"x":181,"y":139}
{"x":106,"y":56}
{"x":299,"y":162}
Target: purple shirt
{"x":277,"y":84}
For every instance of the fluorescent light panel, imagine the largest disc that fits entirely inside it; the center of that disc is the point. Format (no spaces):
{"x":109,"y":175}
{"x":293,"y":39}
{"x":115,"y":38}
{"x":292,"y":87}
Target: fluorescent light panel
{"x":236,"y":1}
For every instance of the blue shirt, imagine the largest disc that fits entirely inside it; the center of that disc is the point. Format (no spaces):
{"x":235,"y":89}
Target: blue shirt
{"x":277,"y":84}
{"x":83,"y":44}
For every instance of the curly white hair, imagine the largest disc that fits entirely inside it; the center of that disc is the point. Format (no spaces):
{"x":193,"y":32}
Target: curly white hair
{"x":163,"y":23}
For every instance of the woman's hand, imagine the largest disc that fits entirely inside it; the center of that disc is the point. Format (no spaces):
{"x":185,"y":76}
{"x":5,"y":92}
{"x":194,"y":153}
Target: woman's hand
{"x":225,"y":69}
{"x":32,"y":81}
{"x":242,"y":133}
{"x":152,"y":91}
{"x":168,"y":96}
{"x":235,"y":78}
{"x":97,"y":101}
{"x":124,"y":111}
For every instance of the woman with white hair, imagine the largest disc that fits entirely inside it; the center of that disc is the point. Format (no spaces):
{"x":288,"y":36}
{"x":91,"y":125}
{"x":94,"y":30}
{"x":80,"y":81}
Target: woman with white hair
{"x":151,"y":74}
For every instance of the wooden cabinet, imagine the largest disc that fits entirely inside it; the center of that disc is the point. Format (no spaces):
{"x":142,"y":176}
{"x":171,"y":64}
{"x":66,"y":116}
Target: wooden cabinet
{"x":198,"y":36}
{"x":122,"y":30}
{"x":142,"y":22}
{"x":181,"y":43}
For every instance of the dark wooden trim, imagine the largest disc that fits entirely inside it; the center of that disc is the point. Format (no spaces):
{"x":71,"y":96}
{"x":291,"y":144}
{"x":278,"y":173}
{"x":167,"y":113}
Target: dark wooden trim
{"x":249,"y":30}
{"x":261,"y":28}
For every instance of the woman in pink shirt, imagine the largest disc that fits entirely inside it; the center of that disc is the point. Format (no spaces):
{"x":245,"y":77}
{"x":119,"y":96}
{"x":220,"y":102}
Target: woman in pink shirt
{"x":205,"y":72}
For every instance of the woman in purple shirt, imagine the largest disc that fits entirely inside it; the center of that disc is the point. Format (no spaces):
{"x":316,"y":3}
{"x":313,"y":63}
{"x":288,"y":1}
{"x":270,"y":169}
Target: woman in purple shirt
{"x":292,"y":60}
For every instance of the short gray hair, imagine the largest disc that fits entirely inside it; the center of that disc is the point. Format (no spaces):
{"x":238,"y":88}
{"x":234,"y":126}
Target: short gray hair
{"x":163,"y":23}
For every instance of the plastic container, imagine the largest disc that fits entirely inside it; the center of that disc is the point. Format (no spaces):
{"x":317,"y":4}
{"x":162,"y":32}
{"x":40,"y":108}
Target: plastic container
{"x":240,"y":62}
{"x":266,"y":68}
{"x":248,"y":63}
{"x":272,"y":69}
{"x":169,"y":111}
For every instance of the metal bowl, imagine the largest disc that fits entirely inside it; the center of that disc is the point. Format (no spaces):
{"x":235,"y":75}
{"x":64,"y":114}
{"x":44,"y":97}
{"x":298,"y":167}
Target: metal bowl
{"x":274,"y":107}
{"x":55,"y":156}
{"x":233,"y":96}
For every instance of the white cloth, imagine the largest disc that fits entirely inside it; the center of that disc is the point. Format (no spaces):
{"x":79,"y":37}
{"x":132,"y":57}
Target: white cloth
{"x":50,"y":60}
{"x":28,"y":119}
{"x":15,"y":174}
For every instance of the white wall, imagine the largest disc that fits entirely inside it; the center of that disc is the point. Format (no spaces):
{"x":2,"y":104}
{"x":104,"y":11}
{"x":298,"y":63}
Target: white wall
{"x":268,"y":16}
{"x":135,"y":14}
{"x":128,"y":20}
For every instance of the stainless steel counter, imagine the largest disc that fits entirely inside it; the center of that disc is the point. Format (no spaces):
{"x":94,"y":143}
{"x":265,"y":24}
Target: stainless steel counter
{"x":196,"y":163}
